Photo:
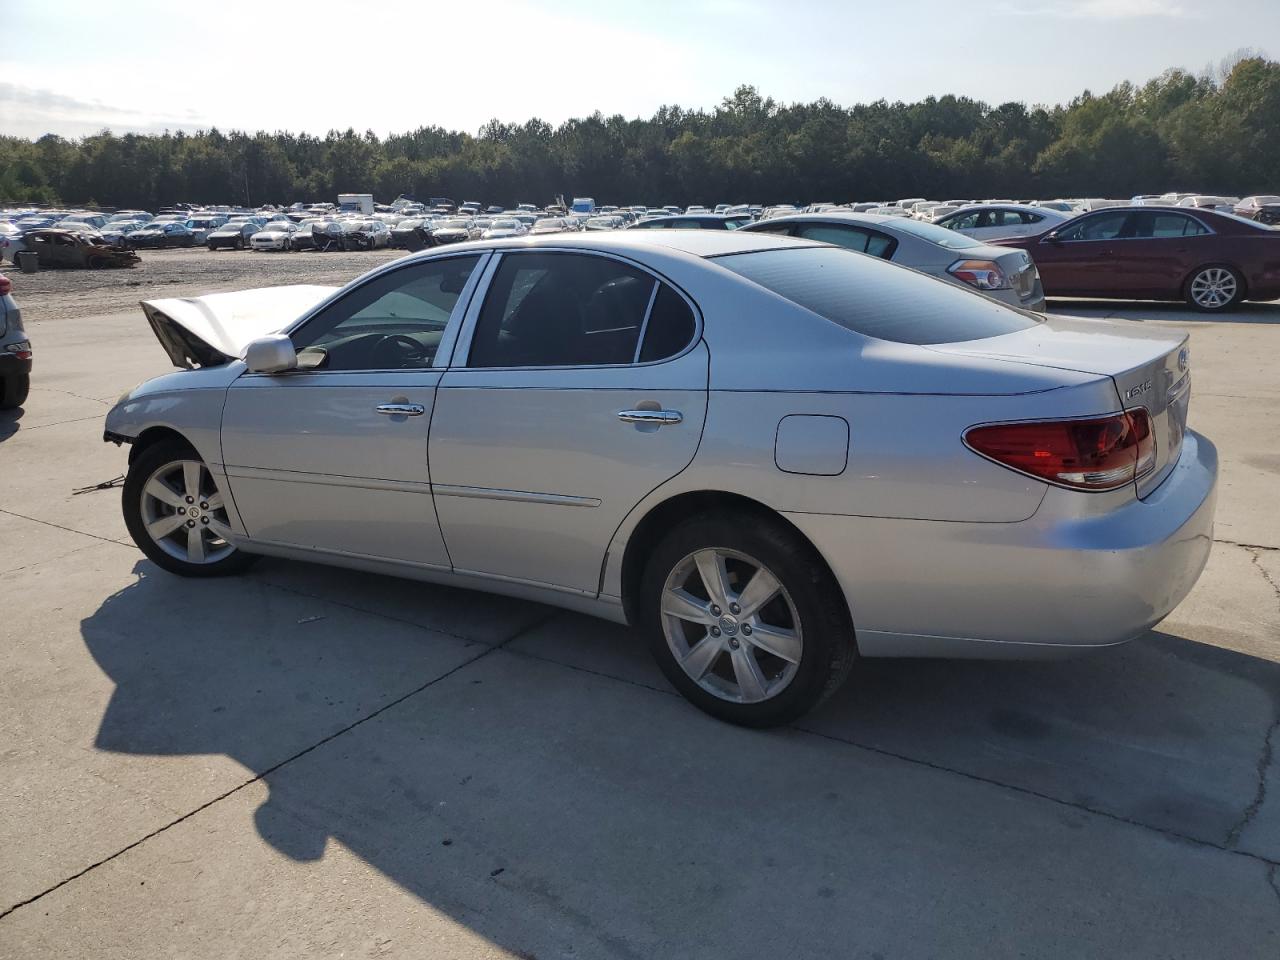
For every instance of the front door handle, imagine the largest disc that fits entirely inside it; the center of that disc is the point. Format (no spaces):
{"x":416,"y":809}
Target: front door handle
{"x":401,"y":409}
{"x":658,"y":417}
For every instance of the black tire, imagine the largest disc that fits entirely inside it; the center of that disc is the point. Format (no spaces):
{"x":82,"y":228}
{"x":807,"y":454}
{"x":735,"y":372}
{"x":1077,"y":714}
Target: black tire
{"x":14,"y":389}
{"x":143,"y":467}
{"x":240,"y":243}
{"x":829,"y":649}
{"x":1192,"y":291}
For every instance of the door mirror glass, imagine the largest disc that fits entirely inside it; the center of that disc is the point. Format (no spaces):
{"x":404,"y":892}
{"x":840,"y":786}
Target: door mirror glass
{"x":272,"y":354}
{"x":1052,"y":237}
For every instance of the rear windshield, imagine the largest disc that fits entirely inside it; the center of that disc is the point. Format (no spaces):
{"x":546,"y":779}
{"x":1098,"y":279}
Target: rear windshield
{"x":877,"y":299}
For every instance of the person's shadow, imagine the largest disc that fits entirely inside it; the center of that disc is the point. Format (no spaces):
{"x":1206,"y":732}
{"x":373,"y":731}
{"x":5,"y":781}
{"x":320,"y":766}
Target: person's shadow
{"x":515,"y":790}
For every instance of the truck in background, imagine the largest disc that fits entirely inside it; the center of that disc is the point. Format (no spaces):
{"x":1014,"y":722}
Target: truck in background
{"x":355,"y":203}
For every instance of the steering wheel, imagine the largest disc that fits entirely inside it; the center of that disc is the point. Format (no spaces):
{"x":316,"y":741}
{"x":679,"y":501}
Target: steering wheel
{"x":397,"y":350}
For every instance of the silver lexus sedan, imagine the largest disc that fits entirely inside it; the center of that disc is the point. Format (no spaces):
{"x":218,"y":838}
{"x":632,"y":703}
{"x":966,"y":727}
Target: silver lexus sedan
{"x":773,"y":455}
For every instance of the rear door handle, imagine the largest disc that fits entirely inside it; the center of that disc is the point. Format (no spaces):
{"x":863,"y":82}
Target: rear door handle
{"x":401,"y":409}
{"x":659,"y":417}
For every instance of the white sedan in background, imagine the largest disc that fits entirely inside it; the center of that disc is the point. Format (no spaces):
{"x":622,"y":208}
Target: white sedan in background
{"x":504,"y":227}
{"x":274,"y":236}
{"x":990,"y":221}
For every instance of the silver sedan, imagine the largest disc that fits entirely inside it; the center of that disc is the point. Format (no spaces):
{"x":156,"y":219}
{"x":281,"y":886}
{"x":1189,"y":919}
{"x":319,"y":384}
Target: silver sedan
{"x":774,"y":456}
{"x":921,"y":246}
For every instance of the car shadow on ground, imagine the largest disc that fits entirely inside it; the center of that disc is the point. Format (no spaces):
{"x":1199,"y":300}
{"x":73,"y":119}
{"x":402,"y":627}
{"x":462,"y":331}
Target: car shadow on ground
{"x":1247,"y":312}
{"x":9,"y":424}
{"x":559,"y":777}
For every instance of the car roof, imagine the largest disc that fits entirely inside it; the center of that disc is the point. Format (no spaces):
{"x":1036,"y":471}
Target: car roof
{"x":698,"y":243}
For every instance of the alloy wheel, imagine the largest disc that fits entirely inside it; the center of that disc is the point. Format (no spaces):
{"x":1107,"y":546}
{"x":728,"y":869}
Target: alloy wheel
{"x":185,"y":514}
{"x":1213,"y":288}
{"x":731,"y":625}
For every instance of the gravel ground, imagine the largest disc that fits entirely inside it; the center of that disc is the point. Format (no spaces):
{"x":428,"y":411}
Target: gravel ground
{"x":60,"y":294}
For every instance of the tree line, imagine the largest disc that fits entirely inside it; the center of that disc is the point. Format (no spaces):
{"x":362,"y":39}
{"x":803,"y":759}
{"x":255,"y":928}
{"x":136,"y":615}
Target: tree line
{"x":1216,"y":132}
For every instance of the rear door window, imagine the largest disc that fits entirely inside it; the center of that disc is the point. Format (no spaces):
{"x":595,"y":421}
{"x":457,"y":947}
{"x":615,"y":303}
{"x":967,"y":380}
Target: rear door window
{"x":571,"y":309}
{"x":876,"y":299}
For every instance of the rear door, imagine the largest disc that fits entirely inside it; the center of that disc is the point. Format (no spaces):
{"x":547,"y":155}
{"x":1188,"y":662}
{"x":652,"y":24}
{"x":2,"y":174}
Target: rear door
{"x":578,"y":386}
{"x":1157,"y":251}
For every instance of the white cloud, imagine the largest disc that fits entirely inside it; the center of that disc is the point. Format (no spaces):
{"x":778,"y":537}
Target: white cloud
{"x":1103,"y":9}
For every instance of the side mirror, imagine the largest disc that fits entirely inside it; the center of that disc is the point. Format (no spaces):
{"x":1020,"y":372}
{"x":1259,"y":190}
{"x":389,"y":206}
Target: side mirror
{"x":271,"y":354}
{"x":1052,"y":237}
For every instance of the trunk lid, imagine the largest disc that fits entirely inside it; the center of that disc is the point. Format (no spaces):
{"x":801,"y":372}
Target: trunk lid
{"x":214,"y":329}
{"x":1150,"y":367}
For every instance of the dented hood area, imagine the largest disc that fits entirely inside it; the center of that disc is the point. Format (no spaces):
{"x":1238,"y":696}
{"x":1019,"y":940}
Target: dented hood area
{"x":215,"y":329}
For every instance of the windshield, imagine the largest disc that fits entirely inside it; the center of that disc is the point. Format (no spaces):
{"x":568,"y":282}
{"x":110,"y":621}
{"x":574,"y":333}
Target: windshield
{"x":875,"y":298}
{"x":504,"y":225}
{"x":456,"y":224}
{"x":935,"y":234}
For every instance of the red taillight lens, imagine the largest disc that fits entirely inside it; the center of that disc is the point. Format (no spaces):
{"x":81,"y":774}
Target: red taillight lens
{"x":6,"y":285}
{"x":1098,"y":453}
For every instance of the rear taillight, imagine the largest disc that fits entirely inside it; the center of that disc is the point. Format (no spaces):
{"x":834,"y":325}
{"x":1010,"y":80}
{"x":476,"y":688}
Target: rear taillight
{"x":1098,"y":453}
{"x":6,"y":285}
{"x":983,"y":274}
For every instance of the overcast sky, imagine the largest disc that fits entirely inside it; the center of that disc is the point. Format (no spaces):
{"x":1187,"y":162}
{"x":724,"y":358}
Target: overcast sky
{"x":73,"y":67}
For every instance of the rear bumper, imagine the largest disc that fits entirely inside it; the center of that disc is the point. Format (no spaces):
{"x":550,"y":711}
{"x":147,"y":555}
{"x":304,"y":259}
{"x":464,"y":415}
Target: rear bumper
{"x":1047,"y":586}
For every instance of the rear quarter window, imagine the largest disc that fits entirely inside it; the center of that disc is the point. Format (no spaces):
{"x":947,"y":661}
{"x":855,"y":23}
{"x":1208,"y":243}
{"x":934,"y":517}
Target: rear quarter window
{"x":875,"y":298}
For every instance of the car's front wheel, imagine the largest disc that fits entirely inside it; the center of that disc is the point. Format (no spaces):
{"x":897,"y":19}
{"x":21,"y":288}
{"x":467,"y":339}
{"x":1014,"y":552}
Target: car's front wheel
{"x":177,"y":515}
{"x":1214,"y":289}
{"x":745,"y":620}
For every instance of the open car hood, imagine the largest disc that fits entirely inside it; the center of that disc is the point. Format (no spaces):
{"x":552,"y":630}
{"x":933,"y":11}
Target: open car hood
{"x":214,"y":329}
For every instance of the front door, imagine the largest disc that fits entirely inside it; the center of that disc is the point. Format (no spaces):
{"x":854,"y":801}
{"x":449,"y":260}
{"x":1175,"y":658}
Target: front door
{"x":1078,"y":261}
{"x":334,"y":458}
{"x":579,"y":386}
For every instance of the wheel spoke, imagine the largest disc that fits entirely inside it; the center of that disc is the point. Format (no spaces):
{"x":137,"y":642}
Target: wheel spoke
{"x":750,"y":680}
{"x":762,"y":588}
{"x":685,"y":606}
{"x":164,"y":526}
{"x":191,"y":479}
{"x":220,"y":529}
{"x":159,"y":490}
{"x":195,"y":545}
{"x":776,"y":640}
{"x":714,"y":576}
{"x":215,"y":501}
{"x":701,"y":656}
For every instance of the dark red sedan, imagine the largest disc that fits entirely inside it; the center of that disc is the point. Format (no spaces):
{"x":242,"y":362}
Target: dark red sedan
{"x":1211,"y":260}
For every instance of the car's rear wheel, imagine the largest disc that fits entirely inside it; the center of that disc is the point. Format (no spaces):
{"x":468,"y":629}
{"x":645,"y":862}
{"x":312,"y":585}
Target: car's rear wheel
{"x":14,"y":389}
{"x":177,"y":515}
{"x":745,"y":620}
{"x":240,"y":244}
{"x":1214,"y":289}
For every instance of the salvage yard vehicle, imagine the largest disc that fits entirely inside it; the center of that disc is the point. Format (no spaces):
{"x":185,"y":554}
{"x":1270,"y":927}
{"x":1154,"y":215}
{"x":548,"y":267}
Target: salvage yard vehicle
{"x":412,"y":234}
{"x":366,"y":235}
{"x":773,"y":455}
{"x":696,"y":221}
{"x":276,"y":235}
{"x":989,"y":222}
{"x":232,"y":235}
{"x":65,"y":248}
{"x":15,"y":351}
{"x":1002,"y":274}
{"x":160,"y":234}
{"x":455,"y":230}
{"x":1211,"y":260}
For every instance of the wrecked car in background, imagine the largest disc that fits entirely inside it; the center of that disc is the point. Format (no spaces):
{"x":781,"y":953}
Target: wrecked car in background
{"x":64,"y":248}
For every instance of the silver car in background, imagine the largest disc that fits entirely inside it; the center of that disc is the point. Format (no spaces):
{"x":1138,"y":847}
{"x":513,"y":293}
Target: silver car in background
{"x":774,"y":456}
{"x":921,"y":246}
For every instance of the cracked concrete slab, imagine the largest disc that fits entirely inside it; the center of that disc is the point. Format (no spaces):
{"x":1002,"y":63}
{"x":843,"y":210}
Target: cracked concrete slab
{"x":521,"y":809}
{"x":130,"y":697}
